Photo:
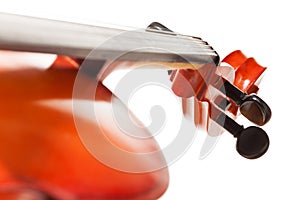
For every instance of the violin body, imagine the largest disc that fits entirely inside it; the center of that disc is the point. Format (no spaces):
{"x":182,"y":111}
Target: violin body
{"x":41,"y":151}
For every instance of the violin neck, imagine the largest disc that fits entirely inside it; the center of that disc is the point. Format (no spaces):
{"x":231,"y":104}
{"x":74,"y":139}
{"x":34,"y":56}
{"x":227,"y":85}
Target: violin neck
{"x":23,"y":33}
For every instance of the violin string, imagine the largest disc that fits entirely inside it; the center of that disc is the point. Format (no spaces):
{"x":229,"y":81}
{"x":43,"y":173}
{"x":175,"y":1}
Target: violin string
{"x":23,"y":33}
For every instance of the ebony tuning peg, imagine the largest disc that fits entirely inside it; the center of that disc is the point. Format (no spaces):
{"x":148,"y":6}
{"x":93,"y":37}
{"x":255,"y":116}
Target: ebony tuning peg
{"x":255,"y":109}
{"x":251,"y":106}
{"x":252,"y":142}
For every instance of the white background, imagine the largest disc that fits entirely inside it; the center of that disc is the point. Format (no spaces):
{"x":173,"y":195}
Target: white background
{"x":266,"y":30}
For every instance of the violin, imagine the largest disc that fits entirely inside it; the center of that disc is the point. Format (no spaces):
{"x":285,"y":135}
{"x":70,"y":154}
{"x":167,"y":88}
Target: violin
{"x":65,"y":135}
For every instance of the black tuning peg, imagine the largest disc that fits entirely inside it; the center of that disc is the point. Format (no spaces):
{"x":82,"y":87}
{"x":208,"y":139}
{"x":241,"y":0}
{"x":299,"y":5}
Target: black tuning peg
{"x":251,"y":106}
{"x":252,"y":142}
{"x":255,"y":109}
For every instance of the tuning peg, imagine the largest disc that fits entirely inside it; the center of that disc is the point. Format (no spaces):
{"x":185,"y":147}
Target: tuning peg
{"x":252,"y":142}
{"x":251,"y":106}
